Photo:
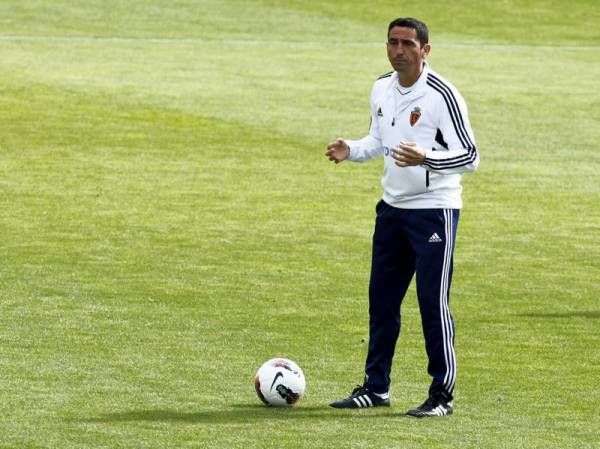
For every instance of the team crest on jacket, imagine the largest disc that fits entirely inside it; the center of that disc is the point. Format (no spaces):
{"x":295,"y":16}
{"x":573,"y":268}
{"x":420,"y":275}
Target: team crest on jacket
{"x":415,"y":114}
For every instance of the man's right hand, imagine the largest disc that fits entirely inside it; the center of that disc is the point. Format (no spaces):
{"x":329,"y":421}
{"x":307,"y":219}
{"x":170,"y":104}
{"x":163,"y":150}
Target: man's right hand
{"x":338,"y":151}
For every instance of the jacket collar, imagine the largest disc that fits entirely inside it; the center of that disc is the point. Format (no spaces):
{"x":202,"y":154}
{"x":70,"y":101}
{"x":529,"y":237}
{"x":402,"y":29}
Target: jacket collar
{"x":419,"y":84}
{"x":402,"y":101}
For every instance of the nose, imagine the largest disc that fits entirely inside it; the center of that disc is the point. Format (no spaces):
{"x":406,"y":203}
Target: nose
{"x":398,"y":50}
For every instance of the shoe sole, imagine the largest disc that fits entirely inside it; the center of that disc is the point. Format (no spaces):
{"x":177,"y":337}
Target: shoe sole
{"x":354,"y":406}
{"x":424,"y":415}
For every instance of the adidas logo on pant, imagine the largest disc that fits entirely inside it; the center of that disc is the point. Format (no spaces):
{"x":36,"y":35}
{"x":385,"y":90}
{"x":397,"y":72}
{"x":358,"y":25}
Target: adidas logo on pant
{"x":435,"y":238}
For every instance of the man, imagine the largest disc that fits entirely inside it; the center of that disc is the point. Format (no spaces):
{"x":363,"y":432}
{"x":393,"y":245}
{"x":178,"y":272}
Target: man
{"x":419,"y":124}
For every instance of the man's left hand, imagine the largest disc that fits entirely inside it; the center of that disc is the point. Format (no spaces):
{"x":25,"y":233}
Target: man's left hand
{"x":408,"y":154}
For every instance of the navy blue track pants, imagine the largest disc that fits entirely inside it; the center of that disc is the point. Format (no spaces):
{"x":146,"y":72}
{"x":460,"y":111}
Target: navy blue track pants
{"x":405,"y":242}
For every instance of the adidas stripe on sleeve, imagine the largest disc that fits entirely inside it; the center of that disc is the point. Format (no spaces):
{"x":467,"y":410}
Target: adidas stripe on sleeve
{"x":455,"y":133}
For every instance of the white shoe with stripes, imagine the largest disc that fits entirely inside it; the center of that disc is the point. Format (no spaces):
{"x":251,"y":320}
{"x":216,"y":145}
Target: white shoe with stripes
{"x":361,"y":397}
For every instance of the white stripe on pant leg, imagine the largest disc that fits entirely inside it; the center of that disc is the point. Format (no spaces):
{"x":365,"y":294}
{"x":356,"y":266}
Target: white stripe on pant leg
{"x":452,"y":379}
{"x":446,"y":319}
{"x":451,"y":367}
{"x":442,"y":296}
{"x":445,"y":315}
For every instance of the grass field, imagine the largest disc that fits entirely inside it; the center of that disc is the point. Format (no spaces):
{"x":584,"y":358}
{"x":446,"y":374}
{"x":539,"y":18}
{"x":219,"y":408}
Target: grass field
{"x":168,"y":222}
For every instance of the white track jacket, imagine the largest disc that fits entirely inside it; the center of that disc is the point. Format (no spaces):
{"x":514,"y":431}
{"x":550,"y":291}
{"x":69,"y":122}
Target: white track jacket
{"x":432,"y":114}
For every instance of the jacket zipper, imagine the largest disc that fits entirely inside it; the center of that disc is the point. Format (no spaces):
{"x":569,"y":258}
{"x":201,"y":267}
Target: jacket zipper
{"x":427,"y":178}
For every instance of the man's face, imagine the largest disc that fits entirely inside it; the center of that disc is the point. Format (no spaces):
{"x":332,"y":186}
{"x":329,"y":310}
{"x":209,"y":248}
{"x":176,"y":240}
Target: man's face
{"x":404,"y":50}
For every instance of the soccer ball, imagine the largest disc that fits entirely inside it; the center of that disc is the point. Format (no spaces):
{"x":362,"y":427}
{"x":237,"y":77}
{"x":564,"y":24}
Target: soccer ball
{"x":279,"y":382}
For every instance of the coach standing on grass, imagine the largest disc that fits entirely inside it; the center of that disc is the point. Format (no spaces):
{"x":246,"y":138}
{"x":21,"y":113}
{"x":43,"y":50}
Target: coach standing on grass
{"x":419,"y":124}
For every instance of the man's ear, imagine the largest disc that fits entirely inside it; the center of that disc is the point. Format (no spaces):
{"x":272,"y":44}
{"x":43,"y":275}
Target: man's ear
{"x":425,"y":50}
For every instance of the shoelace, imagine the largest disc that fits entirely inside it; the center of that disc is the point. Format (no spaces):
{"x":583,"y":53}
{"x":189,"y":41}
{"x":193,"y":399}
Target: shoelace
{"x":359,"y":389}
{"x":431,"y":402}
{"x":434,"y":402}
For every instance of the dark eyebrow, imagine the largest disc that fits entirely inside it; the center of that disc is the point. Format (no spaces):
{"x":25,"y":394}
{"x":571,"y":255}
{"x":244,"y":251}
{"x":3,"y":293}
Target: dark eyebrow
{"x":404,"y":41}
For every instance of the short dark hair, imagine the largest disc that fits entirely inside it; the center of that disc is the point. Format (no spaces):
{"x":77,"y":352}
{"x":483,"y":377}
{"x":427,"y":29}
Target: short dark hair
{"x":417,"y":25}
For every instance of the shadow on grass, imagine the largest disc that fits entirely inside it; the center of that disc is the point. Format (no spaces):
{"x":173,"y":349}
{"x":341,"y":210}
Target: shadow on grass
{"x":240,"y":413}
{"x":590,"y":314}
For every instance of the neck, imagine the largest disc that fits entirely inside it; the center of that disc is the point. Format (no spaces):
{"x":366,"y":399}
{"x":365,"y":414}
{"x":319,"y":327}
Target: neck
{"x":407,"y":79}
